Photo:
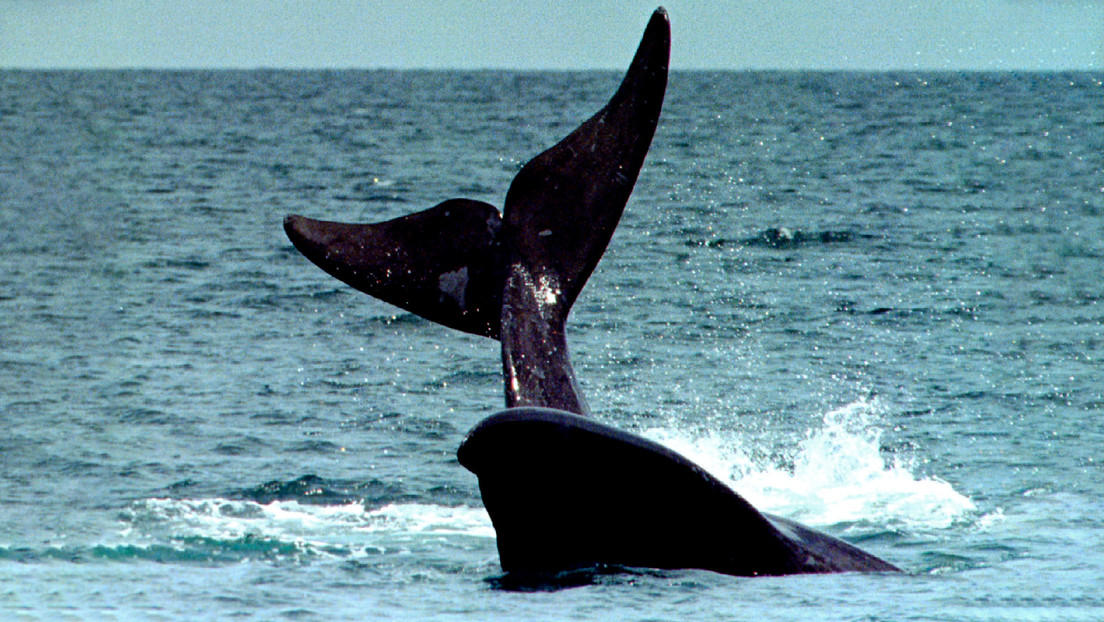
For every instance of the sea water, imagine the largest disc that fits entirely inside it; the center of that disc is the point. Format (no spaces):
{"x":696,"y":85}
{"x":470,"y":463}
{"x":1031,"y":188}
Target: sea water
{"x":871,"y":302}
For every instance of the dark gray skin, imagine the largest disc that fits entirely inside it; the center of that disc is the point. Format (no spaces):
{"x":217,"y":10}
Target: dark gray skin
{"x":565,"y":492}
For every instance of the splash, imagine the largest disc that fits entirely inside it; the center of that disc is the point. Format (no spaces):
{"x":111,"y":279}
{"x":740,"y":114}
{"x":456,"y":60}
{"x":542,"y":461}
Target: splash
{"x":838,"y":476}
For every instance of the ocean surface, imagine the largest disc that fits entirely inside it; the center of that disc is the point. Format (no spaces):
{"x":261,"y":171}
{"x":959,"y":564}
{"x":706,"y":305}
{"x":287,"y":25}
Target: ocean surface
{"x":871,"y":302}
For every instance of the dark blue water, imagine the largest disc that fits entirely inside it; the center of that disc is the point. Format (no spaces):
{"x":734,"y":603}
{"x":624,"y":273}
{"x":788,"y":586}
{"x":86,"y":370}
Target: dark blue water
{"x":871,"y":302}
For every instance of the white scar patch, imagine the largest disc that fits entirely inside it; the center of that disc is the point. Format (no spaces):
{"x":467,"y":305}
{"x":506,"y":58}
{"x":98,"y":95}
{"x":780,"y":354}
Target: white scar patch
{"x":454,"y":284}
{"x":547,"y":290}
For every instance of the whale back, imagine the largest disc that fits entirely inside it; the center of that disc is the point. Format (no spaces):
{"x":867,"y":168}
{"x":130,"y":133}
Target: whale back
{"x":566,"y":492}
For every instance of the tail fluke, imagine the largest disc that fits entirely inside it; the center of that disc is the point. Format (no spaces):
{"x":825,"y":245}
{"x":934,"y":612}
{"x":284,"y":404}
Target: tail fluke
{"x":444,"y":264}
{"x":515,"y":277}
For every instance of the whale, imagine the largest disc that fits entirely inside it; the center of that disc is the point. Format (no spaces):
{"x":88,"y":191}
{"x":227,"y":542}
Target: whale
{"x":563,"y":490}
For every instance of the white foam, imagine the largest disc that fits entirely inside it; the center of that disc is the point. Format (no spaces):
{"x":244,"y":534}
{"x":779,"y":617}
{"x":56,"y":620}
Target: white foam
{"x":427,"y":518}
{"x":307,"y":526}
{"x":838,"y":475}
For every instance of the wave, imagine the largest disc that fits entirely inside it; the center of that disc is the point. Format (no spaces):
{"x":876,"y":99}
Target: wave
{"x":217,"y":531}
{"x":837,"y":477}
{"x":785,"y":238}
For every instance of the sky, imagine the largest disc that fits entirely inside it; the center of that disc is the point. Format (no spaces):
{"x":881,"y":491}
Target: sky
{"x":558,"y":34}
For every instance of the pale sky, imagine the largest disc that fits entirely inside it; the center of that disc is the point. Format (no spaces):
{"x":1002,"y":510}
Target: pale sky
{"x":559,"y":34}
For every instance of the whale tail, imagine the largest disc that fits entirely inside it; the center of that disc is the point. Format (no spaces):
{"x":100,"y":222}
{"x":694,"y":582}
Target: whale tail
{"x":448,"y":263}
{"x":513,"y":277}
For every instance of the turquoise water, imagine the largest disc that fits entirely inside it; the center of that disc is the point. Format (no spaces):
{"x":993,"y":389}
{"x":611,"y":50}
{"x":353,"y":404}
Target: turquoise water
{"x":870,"y":302}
